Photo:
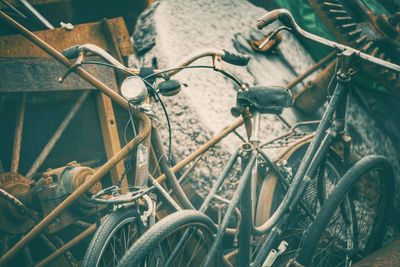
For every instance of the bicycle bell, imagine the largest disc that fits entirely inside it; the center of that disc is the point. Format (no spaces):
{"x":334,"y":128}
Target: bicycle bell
{"x":134,"y":90}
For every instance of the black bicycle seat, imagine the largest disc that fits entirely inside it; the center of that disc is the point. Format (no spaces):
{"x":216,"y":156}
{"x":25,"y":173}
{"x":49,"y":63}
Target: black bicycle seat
{"x":263,"y":99}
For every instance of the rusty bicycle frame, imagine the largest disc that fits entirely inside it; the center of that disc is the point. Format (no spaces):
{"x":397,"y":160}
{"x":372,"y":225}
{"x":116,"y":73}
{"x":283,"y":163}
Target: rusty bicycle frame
{"x":144,"y":134}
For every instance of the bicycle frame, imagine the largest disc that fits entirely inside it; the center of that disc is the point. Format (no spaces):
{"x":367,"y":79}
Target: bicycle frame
{"x":331,"y":128}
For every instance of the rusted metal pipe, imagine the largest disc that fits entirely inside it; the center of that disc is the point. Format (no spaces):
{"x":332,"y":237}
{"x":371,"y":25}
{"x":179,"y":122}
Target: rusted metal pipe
{"x":311,"y":70}
{"x":19,"y":126}
{"x":57,"y":134}
{"x":203,"y":148}
{"x":63,"y":249}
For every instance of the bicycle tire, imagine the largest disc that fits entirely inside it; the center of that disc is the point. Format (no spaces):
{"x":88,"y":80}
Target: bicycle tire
{"x":299,"y":224}
{"x":356,"y":181}
{"x":97,"y":254}
{"x":158,"y":235}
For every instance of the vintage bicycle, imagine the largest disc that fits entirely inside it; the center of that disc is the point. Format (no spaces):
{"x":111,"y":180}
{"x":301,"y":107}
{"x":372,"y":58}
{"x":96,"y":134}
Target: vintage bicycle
{"x":186,"y":234}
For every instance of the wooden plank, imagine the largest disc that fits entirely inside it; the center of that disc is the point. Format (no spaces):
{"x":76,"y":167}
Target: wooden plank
{"x":60,"y":39}
{"x":41,"y":74}
{"x":110,"y":134}
{"x":106,"y":112}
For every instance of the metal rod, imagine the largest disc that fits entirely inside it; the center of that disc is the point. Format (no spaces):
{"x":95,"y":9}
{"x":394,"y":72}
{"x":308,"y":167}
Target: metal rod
{"x":63,"y":249}
{"x":57,"y":134}
{"x":36,"y":13}
{"x":245,"y":204}
{"x":14,"y":9}
{"x":231,"y":208}
{"x":19,"y":126}
{"x":170,"y":174}
{"x":203,"y":148}
{"x":219,"y":181}
{"x":188,"y":170}
{"x":311,"y":70}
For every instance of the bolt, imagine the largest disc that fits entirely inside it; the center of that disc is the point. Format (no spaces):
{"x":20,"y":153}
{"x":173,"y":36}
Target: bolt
{"x":72,"y":163}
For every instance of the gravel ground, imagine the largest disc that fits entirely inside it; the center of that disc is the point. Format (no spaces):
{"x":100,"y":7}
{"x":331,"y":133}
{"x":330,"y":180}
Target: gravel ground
{"x":171,"y":29}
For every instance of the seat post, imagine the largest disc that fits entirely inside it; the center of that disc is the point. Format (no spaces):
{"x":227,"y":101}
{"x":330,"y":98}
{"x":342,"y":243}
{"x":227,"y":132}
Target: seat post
{"x":255,"y":133}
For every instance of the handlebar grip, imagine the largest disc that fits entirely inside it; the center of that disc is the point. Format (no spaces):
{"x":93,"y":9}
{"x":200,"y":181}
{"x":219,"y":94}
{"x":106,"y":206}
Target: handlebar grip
{"x":235,"y":58}
{"x":72,"y":52}
{"x":268,"y":18}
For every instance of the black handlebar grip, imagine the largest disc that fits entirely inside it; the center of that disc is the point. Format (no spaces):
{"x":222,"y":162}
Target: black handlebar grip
{"x":268,"y":18}
{"x":235,"y":58}
{"x":72,"y":52}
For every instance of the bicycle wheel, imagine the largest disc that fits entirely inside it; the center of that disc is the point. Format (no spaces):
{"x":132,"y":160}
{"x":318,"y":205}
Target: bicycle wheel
{"x":320,"y":186}
{"x":112,"y":239}
{"x":180,"y":239}
{"x":353,"y":220}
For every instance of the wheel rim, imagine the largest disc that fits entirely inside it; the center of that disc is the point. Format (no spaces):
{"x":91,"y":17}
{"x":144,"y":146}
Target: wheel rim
{"x":118,"y":242}
{"x":357,"y":224}
{"x":299,"y":223}
{"x":185,"y":246}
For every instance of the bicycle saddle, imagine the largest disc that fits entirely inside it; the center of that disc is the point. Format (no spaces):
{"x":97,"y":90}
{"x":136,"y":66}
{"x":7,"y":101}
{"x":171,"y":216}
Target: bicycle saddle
{"x":263,"y":99}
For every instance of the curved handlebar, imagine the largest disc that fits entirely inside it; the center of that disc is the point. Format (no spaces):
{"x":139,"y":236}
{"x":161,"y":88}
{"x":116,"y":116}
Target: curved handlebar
{"x":286,"y":18}
{"x":73,"y":52}
{"x":229,"y":57}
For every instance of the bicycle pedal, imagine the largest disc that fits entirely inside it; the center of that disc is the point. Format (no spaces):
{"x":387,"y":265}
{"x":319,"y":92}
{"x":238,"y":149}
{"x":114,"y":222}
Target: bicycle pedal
{"x":273,"y":255}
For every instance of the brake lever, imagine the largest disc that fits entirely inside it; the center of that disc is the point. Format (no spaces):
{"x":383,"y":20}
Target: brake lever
{"x":272,"y":35}
{"x":78,"y":63}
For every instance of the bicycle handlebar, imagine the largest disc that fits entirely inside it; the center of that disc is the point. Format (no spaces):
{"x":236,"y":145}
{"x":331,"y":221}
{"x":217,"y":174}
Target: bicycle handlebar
{"x":73,"y":52}
{"x":287,"y":18}
{"x":229,"y":57}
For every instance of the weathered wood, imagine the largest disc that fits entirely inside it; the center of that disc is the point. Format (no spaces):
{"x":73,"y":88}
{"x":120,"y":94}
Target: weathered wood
{"x":41,"y":74}
{"x":60,"y":39}
{"x":110,"y":135}
{"x":106,"y":113}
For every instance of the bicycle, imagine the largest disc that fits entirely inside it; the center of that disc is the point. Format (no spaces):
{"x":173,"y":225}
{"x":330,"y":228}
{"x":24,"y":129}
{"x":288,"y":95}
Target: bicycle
{"x":126,"y":216}
{"x":119,"y":229}
{"x":330,"y":129}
